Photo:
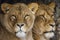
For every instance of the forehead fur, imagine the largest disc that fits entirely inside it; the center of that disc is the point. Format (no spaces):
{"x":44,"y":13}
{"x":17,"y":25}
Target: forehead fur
{"x":18,"y":6}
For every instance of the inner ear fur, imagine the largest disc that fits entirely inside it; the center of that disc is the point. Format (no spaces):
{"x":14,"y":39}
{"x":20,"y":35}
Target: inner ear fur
{"x":33,"y":7}
{"x":5,"y":7}
{"x":52,"y":5}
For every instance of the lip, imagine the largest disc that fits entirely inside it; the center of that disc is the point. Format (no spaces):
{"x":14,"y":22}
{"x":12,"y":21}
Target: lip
{"x":48,"y":32}
{"x":20,"y":31}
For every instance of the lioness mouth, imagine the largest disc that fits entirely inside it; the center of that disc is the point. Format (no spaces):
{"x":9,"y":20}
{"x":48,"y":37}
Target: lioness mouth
{"x":20,"y":31}
{"x":20,"y":34}
{"x":48,"y":32}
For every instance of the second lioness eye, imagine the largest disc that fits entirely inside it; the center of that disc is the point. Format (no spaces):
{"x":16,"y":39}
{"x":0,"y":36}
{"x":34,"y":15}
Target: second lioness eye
{"x":52,"y":16}
{"x":13,"y":18}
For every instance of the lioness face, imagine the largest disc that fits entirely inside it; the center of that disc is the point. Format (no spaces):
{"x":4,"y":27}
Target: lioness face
{"x":48,"y":28}
{"x":18,"y":19}
{"x":45,"y":26}
{"x":44,"y":22}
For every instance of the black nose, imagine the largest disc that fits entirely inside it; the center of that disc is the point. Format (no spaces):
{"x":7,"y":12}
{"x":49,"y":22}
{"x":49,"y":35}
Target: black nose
{"x":52,"y":25}
{"x":20,"y":25}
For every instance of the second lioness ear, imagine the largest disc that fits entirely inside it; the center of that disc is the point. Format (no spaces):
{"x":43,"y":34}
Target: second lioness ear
{"x":33,"y":7}
{"x":5,"y":7}
{"x":52,"y":5}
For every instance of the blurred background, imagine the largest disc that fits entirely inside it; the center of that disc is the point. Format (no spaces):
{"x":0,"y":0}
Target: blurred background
{"x":28,"y":1}
{"x":57,"y":11}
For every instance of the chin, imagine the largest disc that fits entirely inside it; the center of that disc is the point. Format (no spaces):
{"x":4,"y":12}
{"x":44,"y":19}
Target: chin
{"x":20,"y":34}
{"x":49,"y":35}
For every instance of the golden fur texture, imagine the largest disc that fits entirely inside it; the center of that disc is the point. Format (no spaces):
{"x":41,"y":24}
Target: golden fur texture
{"x":44,"y":25}
{"x":16,"y":22}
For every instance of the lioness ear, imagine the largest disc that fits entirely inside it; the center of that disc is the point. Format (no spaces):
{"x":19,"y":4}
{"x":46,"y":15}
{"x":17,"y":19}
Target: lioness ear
{"x":52,"y":5}
{"x":33,"y":7}
{"x":5,"y":7}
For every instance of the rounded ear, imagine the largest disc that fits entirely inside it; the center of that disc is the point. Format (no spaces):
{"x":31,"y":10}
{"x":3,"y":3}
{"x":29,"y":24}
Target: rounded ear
{"x":52,"y":5}
{"x":33,"y":7}
{"x":5,"y":7}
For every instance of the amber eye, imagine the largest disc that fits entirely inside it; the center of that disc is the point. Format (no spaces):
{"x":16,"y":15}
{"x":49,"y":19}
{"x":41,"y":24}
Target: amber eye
{"x":27,"y":17}
{"x":13,"y":18}
{"x":42,"y":16}
{"x":52,"y":16}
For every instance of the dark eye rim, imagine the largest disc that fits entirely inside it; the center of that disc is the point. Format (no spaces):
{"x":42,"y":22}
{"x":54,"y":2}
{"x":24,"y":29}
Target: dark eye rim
{"x":14,"y":16}
{"x":26,"y":15}
{"x":52,"y":15}
{"x":42,"y":16}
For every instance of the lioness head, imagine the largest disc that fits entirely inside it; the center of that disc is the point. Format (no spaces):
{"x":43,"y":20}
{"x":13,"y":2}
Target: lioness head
{"x":45,"y":19}
{"x":44,"y":22}
{"x":17,"y":18}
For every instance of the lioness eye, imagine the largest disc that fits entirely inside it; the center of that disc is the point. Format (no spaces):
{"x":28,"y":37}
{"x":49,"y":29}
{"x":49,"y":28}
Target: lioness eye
{"x":42,"y":16}
{"x":52,"y":16}
{"x":27,"y":17}
{"x":13,"y":18}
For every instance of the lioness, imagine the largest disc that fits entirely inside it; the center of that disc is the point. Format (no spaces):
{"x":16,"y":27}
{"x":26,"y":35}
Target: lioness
{"x":44,"y":25}
{"x":16,"y":22}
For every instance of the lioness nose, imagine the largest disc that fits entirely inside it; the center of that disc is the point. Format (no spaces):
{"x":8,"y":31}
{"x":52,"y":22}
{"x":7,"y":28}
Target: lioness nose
{"x":20,"y":25}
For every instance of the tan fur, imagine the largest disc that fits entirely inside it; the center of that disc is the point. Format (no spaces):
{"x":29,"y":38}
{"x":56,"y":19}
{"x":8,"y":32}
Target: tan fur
{"x":34,"y":8}
{"x":43,"y":21}
{"x":12,"y":19}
